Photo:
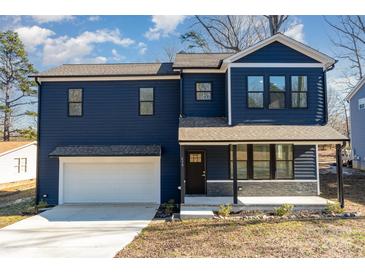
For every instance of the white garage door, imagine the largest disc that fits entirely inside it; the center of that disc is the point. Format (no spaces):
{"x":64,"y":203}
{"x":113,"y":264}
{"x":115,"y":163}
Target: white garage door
{"x":109,"y":180}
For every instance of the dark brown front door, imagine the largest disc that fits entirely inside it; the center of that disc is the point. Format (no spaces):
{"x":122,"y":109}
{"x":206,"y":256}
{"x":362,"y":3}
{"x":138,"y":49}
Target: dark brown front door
{"x":195,"y":172}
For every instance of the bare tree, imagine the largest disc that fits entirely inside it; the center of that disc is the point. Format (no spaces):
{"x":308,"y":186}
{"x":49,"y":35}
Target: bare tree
{"x":225,"y":33}
{"x":276,"y":22}
{"x":231,"y":33}
{"x":338,"y":116}
{"x":170,"y":52}
{"x":349,"y":38}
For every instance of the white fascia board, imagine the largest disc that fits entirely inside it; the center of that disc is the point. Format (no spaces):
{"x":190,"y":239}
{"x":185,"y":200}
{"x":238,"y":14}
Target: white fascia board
{"x":229,"y":101}
{"x":300,"y":47}
{"x":358,"y":86}
{"x":108,"y":78}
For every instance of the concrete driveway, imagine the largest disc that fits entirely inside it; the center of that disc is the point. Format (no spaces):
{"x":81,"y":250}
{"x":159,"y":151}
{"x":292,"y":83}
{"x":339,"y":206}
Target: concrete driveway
{"x":76,"y":231}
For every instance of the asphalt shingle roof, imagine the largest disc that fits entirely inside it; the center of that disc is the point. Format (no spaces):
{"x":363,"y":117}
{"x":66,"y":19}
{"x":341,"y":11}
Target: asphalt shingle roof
{"x":216,"y":129}
{"x":7,"y":146}
{"x":106,"y":150}
{"x":200,"y":60}
{"x":127,"y":69}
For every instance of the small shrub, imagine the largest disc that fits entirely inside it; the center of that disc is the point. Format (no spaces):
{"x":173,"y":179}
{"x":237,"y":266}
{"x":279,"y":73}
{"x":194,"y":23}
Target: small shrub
{"x":334,"y":208}
{"x":169,"y":207}
{"x":42,"y":204}
{"x":284,"y":210}
{"x":224,"y":210}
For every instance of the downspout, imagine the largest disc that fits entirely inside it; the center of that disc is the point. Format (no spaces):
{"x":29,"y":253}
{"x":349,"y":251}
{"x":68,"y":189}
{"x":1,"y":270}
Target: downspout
{"x":325,"y":90}
{"x":38,"y":140}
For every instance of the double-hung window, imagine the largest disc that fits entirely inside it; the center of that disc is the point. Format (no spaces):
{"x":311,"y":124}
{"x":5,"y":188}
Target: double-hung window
{"x":75,"y":102}
{"x":277,"y":92}
{"x":284,"y":161}
{"x":241,"y":162}
{"x":203,"y":91}
{"x":299,"y":88}
{"x":261,"y":161}
{"x":255,"y":91}
{"x":362,"y":104}
{"x":21,"y":165}
{"x":146,"y":101}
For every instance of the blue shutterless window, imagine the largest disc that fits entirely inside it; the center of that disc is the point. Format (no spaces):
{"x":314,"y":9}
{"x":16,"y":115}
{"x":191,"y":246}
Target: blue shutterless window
{"x":255,"y":91}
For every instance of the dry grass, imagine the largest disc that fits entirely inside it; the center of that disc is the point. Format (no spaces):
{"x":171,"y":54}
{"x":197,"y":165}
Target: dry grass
{"x":227,"y":238}
{"x":10,"y":193}
{"x":242,"y":238}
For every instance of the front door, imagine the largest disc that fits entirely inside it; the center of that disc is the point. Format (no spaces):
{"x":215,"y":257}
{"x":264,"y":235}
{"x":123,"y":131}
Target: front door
{"x":195,"y":172}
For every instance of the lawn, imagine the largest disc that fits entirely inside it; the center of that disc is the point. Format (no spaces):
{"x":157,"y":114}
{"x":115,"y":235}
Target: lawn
{"x":15,"y":199}
{"x":279,"y":239}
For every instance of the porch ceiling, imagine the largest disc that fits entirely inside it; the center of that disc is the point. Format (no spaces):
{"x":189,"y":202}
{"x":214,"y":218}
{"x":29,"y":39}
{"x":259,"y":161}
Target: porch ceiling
{"x":216,"y":129}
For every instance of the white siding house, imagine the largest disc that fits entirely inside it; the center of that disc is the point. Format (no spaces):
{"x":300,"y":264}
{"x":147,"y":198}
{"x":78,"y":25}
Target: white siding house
{"x":18,"y":161}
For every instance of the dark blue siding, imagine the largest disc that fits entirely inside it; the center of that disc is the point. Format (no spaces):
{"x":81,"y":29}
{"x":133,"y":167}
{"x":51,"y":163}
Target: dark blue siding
{"x":213,"y":108}
{"x":305,"y":162}
{"x":314,"y":114}
{"x":358,"y":125}
{"x":110,"y":117}
{"x":276,"y":53}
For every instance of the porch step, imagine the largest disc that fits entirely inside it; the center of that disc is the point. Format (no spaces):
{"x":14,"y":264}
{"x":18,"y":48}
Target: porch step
{"x":194,"y":212}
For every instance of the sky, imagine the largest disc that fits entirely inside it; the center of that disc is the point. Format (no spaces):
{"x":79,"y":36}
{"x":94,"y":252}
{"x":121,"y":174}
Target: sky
{"x":54,"y":40}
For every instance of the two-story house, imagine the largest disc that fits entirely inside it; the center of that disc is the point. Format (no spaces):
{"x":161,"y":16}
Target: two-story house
{"x":205,"y":126}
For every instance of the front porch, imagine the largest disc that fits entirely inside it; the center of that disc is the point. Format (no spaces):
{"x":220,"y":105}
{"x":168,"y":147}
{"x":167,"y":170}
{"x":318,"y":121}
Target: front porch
{"x":253,"y":167}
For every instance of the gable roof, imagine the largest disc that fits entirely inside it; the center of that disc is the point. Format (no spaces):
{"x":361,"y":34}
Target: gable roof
{"x":200,"y":60}
{"x":358,"y":86}
{"x":326,"y":60}
{"x":6,"y":147}
{"x":126,"y":69}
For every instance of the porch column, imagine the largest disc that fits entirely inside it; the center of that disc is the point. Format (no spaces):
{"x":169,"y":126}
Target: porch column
{"x":182,"y":174}
{"x":235,"y":193}
{"x":340,"y":194}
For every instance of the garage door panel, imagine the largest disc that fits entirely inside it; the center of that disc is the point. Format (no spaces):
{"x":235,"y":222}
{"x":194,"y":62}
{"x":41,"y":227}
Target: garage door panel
{"x":121,"y":181}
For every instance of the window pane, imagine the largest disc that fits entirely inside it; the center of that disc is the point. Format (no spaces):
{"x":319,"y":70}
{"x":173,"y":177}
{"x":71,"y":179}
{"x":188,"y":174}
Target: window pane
{"x":241,"y":170}
{"x":284,"y":170}
{"x":146,"y":94}
{"x":261,"y":152}
{"x":277,"y":83}
{"x":255,"y":100}
{"x":362,"y":103}
{"x":203,"y":86}
{"x":255,"y":83}
{"x":241,"y":152}
{"x":277,"y":100}
{"x":195,"y":158}
{"x":299,"y":83}
{"x":284,"y":152}
{"x":204,"y":96}
{"x":75,"y":95}
{"x":75,"y":109}
{"x":146,"y":108}
{"x":299,"y":100}
{"x":261,"y":169}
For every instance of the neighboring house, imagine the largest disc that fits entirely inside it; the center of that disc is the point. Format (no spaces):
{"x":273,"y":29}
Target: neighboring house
{"x":207,"y":125}
{"x":356,"y":98}
{"x":18,"y":161}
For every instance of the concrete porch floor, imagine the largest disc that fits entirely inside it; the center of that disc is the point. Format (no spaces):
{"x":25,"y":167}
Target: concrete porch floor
{"x":203,"y":207}
{"x":257,"y":201}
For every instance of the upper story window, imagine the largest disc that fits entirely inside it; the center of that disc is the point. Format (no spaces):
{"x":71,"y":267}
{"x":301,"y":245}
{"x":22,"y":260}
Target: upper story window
{"x":362,"y":103}
{"x":255,"y":91}
{"x":21,"y":165}
{"x":277,"y":92}
{"x":146,"y":101}
{"x":299,"y":88}
{"x":75,"y":102}
{"x":203,"y":91}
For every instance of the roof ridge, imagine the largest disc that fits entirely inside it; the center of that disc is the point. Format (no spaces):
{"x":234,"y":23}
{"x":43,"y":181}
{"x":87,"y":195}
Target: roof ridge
{"x":127,"y":63}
